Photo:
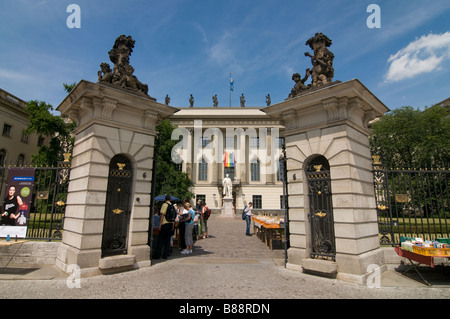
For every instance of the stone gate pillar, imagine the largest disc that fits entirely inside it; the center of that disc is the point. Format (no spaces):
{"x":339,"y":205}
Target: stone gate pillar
{"x":332,"y":122}
{"x":110,"y":121}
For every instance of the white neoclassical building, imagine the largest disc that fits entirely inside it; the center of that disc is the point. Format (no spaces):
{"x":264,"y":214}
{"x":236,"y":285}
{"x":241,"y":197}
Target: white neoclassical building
{"x":243,"y":142}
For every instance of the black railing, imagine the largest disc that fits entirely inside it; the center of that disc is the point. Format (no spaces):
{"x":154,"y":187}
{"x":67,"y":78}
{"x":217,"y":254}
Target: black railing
{"x":411,"y":202}
{"x":48,"y":202}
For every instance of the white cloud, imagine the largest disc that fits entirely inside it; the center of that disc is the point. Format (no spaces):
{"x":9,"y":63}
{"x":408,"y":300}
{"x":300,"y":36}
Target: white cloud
{"x":423,"y":55}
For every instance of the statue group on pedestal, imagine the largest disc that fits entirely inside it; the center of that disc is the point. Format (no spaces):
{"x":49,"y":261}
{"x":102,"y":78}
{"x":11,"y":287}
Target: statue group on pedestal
{"x":322,"y":70}
{"x":122,"y":73}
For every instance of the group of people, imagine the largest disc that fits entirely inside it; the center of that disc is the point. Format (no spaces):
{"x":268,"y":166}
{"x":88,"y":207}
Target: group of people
{"x":191,"y":223}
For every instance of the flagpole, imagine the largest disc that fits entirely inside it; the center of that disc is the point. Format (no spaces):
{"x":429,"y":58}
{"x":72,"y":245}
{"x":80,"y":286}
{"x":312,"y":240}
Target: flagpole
{"x":230,"y":89}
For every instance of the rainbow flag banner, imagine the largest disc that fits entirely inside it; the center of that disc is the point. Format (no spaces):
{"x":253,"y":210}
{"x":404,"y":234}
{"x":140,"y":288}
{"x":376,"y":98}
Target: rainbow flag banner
{"x":229,"y":159}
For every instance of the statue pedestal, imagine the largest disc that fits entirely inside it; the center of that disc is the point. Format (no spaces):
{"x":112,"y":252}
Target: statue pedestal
{"x":227,"y":209}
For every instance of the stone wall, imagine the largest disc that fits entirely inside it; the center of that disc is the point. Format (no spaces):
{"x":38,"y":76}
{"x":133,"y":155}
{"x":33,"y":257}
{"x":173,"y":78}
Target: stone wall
{"x":32,"y":253}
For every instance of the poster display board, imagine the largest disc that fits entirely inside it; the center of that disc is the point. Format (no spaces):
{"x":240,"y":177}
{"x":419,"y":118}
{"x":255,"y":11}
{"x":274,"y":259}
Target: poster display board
{"x":15,"y":210}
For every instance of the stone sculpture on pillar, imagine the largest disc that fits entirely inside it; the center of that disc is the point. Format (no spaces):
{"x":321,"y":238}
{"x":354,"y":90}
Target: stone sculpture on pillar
{"x":322,"y":71}
{"x":122,"y":73}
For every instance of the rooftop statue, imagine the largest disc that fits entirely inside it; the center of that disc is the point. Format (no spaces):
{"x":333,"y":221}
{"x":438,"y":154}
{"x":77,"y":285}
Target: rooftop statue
{"x":122,"y":73}
{"x":268,"y":99}
{"x":242,"y":100}
{"x":322,"y":71}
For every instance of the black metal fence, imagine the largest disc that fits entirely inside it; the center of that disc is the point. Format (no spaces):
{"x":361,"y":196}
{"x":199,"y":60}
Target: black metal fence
{"x":411,"y":202}
{"x":48,"y":203}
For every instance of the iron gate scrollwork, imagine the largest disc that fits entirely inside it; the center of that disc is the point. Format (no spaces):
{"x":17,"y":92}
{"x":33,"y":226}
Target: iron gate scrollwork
{"x":411,"y":202}
{"x":321,"y":209}
{"x":117,"y":208}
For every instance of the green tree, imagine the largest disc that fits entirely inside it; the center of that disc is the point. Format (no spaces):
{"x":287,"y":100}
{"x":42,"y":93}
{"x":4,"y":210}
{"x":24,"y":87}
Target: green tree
{"x":410,"y":138}
{"x":69,"y":87}
{"x":169,"y":179}
{"x":44,"y":123}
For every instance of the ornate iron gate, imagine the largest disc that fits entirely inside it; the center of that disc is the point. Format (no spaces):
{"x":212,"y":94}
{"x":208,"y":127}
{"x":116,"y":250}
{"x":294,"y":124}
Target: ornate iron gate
{"x":48,"y":204}
{"x":117,"y":208}
{"x":411,"y":202}
{"x":321,"y":209}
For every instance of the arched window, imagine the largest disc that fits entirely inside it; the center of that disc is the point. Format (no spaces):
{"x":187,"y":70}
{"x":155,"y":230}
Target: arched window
{"x":255,"y":170}
{"x":203,"y":170}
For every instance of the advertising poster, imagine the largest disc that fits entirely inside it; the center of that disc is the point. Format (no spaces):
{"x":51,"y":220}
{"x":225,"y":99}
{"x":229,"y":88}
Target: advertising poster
{"x":16,"y":203}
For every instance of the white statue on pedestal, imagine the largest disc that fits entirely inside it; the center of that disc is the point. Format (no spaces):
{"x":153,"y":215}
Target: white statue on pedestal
{"x":227,"y":187}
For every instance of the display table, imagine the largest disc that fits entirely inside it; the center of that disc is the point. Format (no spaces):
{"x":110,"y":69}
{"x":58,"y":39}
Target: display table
{"x":268,"y":231}
{"x":419,"y":258}
{"x":9,"y":257}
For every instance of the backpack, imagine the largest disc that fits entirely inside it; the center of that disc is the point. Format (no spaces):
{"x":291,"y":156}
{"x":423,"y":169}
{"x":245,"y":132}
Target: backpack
{"x":207,"y":214}
{"x":171,"y":213}
{"x":244,"y":214}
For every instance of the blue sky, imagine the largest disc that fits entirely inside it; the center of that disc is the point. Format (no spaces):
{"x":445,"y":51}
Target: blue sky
{"x":188,"y":47}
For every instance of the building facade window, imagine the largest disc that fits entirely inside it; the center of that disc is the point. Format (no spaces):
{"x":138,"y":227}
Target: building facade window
{"x":279,"y":170}
{"x":2,"y":157}
{"x":7,"y":130}
{"x":229,"y":143}
{"x":230,"y":172}
{"x":280,"y":142}
{"x":254,"y":142}
{"x":203,"y":170}
{"x":204,"y":141}
{"x":21,"y":160}
{"x":257,"y":201}
{"x":255,"y":170}
{"x":25,"y":137}
{"x":282,"y":201}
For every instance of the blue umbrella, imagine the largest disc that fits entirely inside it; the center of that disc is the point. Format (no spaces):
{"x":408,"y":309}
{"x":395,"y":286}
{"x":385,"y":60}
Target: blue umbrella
{"x":162,"y":198}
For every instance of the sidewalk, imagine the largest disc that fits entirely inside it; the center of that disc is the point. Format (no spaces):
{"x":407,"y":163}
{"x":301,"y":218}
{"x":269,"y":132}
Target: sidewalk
{"x":227,"y":265}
